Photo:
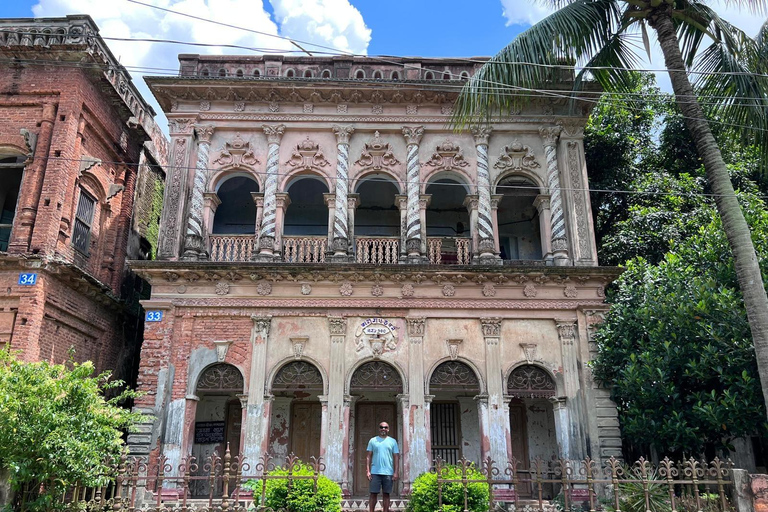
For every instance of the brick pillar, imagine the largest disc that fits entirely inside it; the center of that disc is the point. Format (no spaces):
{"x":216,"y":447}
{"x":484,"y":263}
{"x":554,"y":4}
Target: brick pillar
{"x":32,"y":184}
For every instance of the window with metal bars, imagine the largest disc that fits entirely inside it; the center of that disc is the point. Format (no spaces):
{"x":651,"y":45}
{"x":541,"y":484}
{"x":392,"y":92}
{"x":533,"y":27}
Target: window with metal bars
{"x":446,"y":434}
{"x":81,"y":235}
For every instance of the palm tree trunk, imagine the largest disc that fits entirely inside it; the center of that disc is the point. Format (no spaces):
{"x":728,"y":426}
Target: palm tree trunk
{"x":734,"y":224}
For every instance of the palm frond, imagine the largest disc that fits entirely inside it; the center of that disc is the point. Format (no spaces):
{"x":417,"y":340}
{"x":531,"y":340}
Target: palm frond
{"x":571,"y":35}
{"x":698,"y":22}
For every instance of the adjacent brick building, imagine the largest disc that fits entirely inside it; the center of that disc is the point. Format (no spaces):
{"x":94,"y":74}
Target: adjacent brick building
{"x":76,"y":138}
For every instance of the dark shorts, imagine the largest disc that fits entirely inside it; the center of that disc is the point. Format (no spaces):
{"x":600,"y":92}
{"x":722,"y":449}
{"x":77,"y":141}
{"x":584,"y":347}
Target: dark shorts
{"x":381,"y":483}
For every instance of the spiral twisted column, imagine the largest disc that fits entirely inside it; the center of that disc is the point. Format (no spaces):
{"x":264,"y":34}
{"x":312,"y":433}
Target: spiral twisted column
{"x":274,"y":134}
{"x":341,"y":220}
{"x":486,"y":243}
{"x":194,"y":246}
{"x":413,"y":135}
{"x":559,"y":236}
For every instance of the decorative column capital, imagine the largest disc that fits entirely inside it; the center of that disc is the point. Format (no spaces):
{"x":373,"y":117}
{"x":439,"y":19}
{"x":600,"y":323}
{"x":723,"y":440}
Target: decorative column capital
{"x":212,"y":200}
{"x":353,"y":201}
{"x":413,"y":134}
{"x":495,"y":200}
{"x":572,"y":128}
{"x":424,"y":200}
{"x":180,"y":126}
{"x":243,"y":400}
{"x":403,"y":400}
{"x":471,"y":201}
{"x":558,"y":402}
{"x":274,"y":133}
{"x":481,"y":134}
{"x":337,"y":325}
{"x":329,"y":198}
{"x":401,"y":201}
{"x":491,"y":327}
{"x":343,"y":133}
{"x":541,"y":202}
{"x":261,"y":325}
{"x":258,"y":199}
{"x":566,"y":331}
{"x":204,"y":133}
{"x":282,"y":200}
{"x":416,"y":326}
{"x":550,"y":134}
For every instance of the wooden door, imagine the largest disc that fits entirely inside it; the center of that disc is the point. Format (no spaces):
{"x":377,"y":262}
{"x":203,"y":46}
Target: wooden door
{"x":518,"y":426}
{"x":367,"y":419}
{"x":234,"y":423}
{"x":306,"y":420}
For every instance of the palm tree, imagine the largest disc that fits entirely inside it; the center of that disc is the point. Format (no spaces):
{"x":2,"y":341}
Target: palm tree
{"x":600,"y":37}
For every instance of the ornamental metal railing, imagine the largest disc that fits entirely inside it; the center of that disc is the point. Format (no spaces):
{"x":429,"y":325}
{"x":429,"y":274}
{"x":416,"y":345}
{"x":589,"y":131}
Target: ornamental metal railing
{"x":232,"y":247}
{"x":377,"y":251}
{"x":304,"y":249}
{"x":448,"y":251}
{"x":230,"y":483}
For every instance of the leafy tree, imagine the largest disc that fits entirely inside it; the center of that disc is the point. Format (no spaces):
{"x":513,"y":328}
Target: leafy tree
{"x":597,"y":35}
{"x":675,"y":349}
{"x":56,"y":428}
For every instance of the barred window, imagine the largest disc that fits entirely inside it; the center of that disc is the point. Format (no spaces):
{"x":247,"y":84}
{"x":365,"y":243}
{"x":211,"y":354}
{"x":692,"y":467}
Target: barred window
{"x":81,"y":236}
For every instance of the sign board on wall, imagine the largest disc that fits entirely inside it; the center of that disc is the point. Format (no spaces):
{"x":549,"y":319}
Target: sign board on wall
{"x":209,"y":432}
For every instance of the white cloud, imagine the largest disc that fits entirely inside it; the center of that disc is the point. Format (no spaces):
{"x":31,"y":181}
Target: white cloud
{"x":523,"y":12}
{"x":328,"y":22}
{"x":332,"y":23}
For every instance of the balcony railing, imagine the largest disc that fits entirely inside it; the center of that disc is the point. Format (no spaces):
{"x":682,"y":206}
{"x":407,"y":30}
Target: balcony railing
{"x":304,"y":249}
{"x":232,"y":247}
{"x":448,"y":251}
{"x":378,"y":251}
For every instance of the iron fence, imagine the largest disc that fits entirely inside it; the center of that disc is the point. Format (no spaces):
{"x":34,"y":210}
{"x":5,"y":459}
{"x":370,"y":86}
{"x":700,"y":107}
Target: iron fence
{"x":557,"y":485}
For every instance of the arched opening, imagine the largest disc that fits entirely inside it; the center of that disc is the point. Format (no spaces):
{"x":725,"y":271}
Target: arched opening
{"x":395,"y":75}
{"x":256,"y":73}
{"x":429,"y":75}
{"x":360,"y":74}
{"x":305,"y":227}
{"x":326,"y":73}
{"x":377,"y":75}
{"x":218,"y":418}
{"x":446,"y":75}
{"x":239,"y":73}
{"x":464,"y":75}
{"x":447,"y":222}
{"x":205,"y":72}
{"x":290,"y":73}
{"x":453,"y":415}
{"x":222,"y":72}
{"x":531,"y":417}
{"x":236,"y":215}
{"x":376,"y":385}
{"x":11,"y":173}
{"x":308,"y":73}
{"x":377,"y":221}
{"x":518,"y":219}
{"x":296,"y":411}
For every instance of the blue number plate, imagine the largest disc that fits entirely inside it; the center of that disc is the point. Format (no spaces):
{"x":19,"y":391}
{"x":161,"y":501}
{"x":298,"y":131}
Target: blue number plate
{"x":28,"y":279}
{"x":154,"y":316}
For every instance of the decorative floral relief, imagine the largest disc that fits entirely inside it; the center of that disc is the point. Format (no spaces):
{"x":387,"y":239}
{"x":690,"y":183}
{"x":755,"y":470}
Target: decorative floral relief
{"x":570,"y":291}
{"x":306,"y":289}
{"x":600,"y":291}
{"x":407,"y":290}
{"x":447,"y":156}
{"x":377,"y":154}
{"x":377,"y":290}
{"x":516,"y":156}
{"x":274,"y":107}
{"x":308,"y":155}
{"x":346,"y":289}
{"x":530,"y":290}
{"x":222,"y":288}
{"x":489,"y":290}
{"x":239,"y":106}
{"x":236,"y":153}
{"x":264,"y":288}
{"x":449,"y":290}
{"x":205,"y":105}
{"x":377,"y":109}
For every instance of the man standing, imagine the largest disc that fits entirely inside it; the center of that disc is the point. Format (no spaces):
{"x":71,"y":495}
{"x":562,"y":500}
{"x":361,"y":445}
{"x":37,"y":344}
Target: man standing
{"x":381,"y":464}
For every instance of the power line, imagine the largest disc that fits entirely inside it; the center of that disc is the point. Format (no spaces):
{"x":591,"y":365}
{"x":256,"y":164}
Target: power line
{"x":532,"y":187}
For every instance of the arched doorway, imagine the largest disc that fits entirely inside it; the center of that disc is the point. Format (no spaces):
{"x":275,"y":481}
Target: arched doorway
{"x":453,"y":416}
{"x":305,"y":227}
{"x":376,"y":385}
{"x":218,"y":416}
{"x":531,"y":417}
{"x":447,"y":223}
{"x":236,"y":215}
{"x":296,"y":411}
{"x":11,"y":172}
{"x":518,"y":219}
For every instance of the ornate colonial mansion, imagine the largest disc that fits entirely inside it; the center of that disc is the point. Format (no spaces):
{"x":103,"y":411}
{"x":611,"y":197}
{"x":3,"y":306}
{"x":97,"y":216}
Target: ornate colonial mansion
{"x":333,"y":254}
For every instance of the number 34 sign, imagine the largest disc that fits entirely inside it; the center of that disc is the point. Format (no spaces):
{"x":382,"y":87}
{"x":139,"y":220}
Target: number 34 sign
{"x":27,"y":278}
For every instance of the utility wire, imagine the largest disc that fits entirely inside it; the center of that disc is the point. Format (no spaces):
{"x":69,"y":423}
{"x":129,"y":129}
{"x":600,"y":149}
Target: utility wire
{"x":532,"y":187}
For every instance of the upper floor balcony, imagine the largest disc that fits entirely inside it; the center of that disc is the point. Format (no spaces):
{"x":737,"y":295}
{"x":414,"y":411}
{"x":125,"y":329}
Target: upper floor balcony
{"x":377,"y":222}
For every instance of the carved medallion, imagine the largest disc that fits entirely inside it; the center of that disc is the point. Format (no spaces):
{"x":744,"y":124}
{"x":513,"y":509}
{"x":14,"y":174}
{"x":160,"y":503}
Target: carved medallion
{"x":570,"y":291}
{"x":306,"y":289}
{"x":222,"y":288}
{"x":489,"y":290}
{"x":377,"y":155}
{"x":449,"y":290}
{"x":530,"y":290}
{"x":236,"y":154}
{"x":447,"y":156}
{"x":516,"y":157}
{"x":377,"y":290}
{"x":264,"y":288}
{"x":346,"y":289}
{"x":307,"y":156}
{"x":407,"y":290}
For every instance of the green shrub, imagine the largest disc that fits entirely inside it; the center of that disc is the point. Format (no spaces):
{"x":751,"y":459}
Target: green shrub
{"x":302,"y":496}
{"x":424,"y":492}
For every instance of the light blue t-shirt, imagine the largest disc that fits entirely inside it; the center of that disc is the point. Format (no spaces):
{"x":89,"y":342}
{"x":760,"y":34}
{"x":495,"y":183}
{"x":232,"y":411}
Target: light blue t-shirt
{"x":383,"y":449}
